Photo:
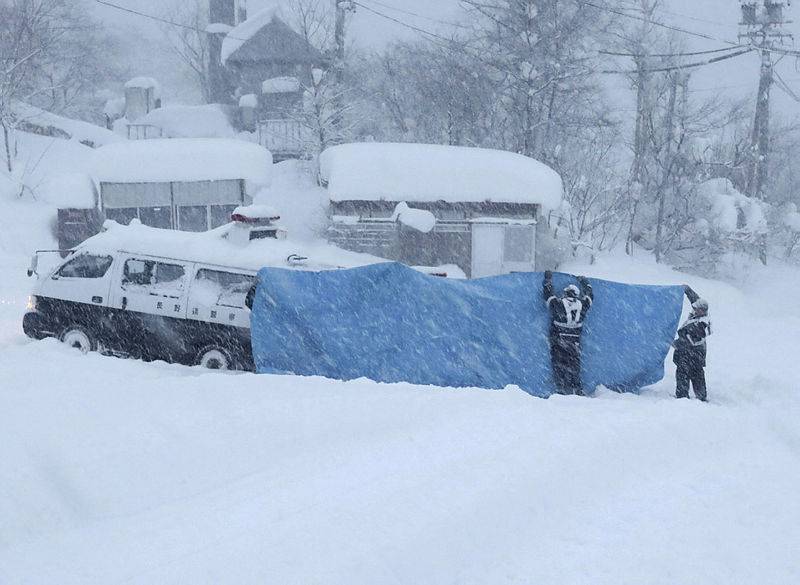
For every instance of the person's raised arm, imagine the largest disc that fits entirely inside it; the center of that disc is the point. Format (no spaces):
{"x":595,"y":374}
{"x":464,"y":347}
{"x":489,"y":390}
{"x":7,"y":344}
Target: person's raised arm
{"x":586,"y":288}
{"x":547,"y":286}
{"x":690,"y":294}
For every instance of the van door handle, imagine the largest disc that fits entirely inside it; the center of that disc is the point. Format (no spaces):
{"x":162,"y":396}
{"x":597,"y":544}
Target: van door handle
{"x":124,"y":303}
{"x":97,"y":300}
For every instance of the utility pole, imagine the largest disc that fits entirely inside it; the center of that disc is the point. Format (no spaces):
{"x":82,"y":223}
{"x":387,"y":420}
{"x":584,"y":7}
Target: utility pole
{"x":763,"y":25}
{"x":639,"y":143}
{"x":342,"y":7}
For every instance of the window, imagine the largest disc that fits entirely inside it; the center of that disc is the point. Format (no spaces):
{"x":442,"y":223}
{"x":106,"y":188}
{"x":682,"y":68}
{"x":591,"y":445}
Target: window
{"x":157,"y":217}
{"x":228,"y":289}
{"x":86,"y":266}
{"x":160,"y":278}
{"x":221,"y":214}
{"x":122,"y":215}
{"x":518,"y":245}
{"x":193,"y":218}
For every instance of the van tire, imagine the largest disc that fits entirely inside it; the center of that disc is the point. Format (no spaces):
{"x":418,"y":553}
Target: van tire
{"x":79,"y":338}
{"x":215,"y":357}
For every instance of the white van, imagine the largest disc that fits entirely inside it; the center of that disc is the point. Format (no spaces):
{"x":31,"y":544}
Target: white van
{"x":159,"y":294}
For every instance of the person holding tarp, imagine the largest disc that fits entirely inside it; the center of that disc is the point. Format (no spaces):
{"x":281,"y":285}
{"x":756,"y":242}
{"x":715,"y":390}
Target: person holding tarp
{"x":690,"y":349}
{"x":567,"y":315}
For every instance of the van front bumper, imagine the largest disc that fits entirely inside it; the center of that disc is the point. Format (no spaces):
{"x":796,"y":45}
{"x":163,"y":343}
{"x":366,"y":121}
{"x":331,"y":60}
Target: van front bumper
{"x":36,"y":326}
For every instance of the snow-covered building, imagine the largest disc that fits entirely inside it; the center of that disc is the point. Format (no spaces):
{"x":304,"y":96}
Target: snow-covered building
{"x":265,"y":59}
{"x":183,"y":184}
{"x":439,"y":205}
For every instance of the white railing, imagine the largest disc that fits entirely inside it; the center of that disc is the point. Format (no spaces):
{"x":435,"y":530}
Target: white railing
{"x":283,"y":137}
{"x":144,"y":131}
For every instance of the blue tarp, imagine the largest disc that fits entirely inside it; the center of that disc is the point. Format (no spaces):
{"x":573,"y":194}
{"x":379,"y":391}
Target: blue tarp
{"x":390,"y":323}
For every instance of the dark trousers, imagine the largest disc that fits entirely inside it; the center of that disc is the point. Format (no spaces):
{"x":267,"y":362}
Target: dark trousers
{"x":695,"y":374}
{"x":565,"y":354}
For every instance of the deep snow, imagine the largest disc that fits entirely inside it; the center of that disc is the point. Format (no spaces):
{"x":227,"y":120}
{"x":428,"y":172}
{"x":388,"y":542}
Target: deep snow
{"x":116,"y":471}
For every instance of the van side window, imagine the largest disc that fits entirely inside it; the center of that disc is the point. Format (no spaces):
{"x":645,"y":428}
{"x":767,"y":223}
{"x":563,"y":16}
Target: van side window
{"x":86,"y":266}
{"x":226,"y":289}
{"x":160,"y":278}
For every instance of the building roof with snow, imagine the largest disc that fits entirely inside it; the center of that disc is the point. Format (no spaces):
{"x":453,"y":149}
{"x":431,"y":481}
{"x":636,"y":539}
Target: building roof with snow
{"x":286,"y":84}
{"x":39,"y":121}
{"x":205,"y":121}
{"x":172,"y":160}
{"x":69,"y":191}
{"x":428,"y":173}
{"x":143,"y":82}
{"x":265,"y":36}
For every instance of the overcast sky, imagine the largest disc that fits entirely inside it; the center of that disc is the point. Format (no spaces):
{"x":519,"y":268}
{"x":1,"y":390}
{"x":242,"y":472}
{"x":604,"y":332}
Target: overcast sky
{"x":717,"y":18}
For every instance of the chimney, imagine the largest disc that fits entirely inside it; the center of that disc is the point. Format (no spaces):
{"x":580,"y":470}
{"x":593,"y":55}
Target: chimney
{"x":221,"y":86}
{"x":223,"y":11}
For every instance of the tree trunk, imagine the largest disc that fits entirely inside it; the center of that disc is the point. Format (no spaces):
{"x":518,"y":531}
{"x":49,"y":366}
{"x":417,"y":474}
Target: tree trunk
{"x":7,"y":143}
{"x":667,"y":167}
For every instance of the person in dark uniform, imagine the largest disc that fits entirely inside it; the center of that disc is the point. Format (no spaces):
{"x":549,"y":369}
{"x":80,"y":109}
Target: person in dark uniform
{"x":567,"y":313}
{"x":690,"y":349}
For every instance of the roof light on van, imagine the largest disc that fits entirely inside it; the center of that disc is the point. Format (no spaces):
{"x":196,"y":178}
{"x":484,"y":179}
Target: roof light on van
{"x":255,"y":214}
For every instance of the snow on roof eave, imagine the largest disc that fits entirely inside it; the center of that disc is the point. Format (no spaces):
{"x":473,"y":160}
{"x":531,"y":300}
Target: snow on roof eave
{"x":244,"y":31}
{"x":428,"y":173}
{"x":145,"y":83}
{"x":168,"y":160}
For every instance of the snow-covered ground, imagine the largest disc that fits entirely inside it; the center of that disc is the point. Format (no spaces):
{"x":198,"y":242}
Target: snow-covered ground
{"x":117,"y":471}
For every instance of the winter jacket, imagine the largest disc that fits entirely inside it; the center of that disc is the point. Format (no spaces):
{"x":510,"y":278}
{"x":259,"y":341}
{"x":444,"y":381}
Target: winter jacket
{"x":567,"y":314}
{"x":690,"y":347}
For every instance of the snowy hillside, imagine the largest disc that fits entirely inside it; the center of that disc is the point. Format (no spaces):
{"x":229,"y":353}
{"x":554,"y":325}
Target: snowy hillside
{"x":120,"y":471}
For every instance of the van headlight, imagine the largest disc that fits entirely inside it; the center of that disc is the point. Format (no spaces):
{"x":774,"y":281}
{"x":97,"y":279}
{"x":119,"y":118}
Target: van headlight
{"x":31,"y":306}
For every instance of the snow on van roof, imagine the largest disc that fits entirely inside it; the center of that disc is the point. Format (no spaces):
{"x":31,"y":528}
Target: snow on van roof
{"x":214,"y":247}
{"x":427,"y":172}
{"x":188,"y":159}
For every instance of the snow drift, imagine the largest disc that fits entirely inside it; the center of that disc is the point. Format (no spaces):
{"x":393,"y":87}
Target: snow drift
{"x":389,"y":323}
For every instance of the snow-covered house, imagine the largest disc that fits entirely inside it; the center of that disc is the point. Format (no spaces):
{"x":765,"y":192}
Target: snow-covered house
{"x":439,"y":205}
{"x":268,"y":63}
{"x":182,"y":184}
{"x":189,"y":185}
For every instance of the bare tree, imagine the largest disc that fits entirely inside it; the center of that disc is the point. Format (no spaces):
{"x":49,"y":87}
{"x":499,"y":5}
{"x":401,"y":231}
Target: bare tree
{"x":52,"y":56}
{"x":189,"y":41}
{"x":314,"y":20}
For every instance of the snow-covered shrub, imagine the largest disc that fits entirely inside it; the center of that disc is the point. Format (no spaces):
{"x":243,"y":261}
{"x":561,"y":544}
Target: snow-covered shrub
{"x":787,"y":223}
{"x":553,"y":241}
{"x":727,"y":234}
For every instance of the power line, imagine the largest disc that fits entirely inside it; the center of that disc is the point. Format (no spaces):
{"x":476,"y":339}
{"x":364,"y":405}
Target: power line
{"x":160,"y":19}
{"x":694,"y":18}
{"x":785,"y":87}
{"x":680,"y":67}
{"x":733,"y":44}
{"x":422,"y":16}
{"x":661,"y":24}
{"x":687,"y":54}
{"x":405,"y":24}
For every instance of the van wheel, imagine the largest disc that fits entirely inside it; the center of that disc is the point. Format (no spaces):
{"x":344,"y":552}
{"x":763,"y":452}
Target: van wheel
{"x":78,"y":337}
{"x":214,"y":357}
